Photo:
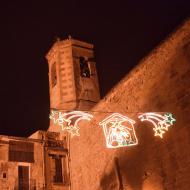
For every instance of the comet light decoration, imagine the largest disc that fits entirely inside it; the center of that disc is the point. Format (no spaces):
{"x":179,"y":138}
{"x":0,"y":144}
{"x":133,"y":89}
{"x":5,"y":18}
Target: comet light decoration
{"x":161,"y":122}
{"x":69,"y":120}
{"x":119,"y":131}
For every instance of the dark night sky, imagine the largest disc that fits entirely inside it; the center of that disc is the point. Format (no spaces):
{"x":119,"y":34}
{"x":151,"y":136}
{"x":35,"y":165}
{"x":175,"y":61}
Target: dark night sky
{"x":123,"y":32}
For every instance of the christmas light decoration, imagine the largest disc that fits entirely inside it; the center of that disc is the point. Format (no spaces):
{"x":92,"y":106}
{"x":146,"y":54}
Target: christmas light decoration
{"x":69,"y":120}
{"x":119,"y":131}
{"x":161,"y":122}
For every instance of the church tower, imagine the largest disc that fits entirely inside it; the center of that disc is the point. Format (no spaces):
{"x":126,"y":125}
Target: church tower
{"x":73,"y":80}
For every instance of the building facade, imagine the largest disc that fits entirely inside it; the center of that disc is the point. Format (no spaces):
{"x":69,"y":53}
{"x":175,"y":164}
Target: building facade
{"x":21,"y":163}
{"x":35,"y":163}
{"x":53,"y":160}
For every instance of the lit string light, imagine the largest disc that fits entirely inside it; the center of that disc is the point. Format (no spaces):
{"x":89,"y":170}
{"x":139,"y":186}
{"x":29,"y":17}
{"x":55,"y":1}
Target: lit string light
{"x":69,"y":120}
{"x":161,"y":122}
{"x":119,"y":131}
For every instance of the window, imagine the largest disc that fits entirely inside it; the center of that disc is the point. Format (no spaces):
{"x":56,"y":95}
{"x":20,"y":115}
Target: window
{"x":58,"y":177}
{"x":84,"y":69}
{"x":23,"y":177}
{"x":59,"y":169}
{"x":53,"y":75}
{"x":4,"y":175}
{"x":20,"y":151}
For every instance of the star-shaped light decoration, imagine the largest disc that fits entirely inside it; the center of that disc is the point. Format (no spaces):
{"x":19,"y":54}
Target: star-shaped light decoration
{"x":54,"y":116}
{"x":158,"y":132}
{"x":74,"y":131}
{"x":160,"y":122}
{"x":69,"y":120}
{"x":170,"y":118}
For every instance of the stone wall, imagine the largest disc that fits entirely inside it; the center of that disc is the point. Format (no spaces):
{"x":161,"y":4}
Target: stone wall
{"x":161,"y":82}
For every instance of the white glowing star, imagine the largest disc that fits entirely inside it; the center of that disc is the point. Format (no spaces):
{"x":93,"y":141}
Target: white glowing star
{"x":69,"y":120}
{"x":161,"y":122}
{"x":119,"y":131}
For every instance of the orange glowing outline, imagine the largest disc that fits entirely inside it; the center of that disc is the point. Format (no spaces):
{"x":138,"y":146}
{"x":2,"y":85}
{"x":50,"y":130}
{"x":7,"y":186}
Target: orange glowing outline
{"x":112,"y":135}
{"x":65,"y":120}
{"x":160,"y":122}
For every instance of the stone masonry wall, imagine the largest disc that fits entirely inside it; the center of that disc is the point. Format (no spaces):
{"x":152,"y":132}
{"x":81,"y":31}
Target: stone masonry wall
{"x":161,"y":82}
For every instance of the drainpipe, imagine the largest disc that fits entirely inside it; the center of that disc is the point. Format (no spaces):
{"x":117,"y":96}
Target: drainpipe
{"x":69,"y":161}
{"x":44,"y":163}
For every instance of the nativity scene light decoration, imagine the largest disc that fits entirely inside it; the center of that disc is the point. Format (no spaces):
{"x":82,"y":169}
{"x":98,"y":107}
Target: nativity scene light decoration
{"x":118,"y":129}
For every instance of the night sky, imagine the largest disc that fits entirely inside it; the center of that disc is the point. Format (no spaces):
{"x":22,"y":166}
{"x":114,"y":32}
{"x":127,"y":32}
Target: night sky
{"x":123,"y":32}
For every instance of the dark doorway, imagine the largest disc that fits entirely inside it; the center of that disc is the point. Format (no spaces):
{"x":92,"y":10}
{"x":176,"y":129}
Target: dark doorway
{"x":23,"y":178}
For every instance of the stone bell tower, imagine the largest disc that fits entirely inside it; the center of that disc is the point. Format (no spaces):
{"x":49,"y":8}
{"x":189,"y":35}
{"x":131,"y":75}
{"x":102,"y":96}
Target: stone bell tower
{"x":73,"y":80}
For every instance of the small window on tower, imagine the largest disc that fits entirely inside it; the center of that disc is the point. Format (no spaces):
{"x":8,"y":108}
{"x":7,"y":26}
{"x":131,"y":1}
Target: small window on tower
{"x":84,"y":69}
{"x":53,"y":75}
{"x":4,"y":175}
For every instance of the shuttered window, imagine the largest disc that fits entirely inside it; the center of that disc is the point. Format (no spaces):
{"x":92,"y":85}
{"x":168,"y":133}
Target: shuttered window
{"x":20,"y":151}
{"x":59,"y":168}
{"x":58,"y":177}
{"x":23,"y":178}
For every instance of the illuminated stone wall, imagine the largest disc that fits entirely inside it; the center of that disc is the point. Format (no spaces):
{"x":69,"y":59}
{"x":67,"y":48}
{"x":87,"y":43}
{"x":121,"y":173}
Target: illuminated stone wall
{"x":161,"y":82}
